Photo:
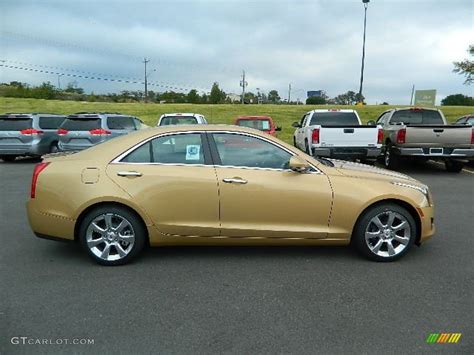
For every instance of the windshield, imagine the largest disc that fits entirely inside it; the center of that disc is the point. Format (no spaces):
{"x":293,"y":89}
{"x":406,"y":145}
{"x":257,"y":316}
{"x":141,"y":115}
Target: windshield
{"x":413,"y":117}
{"x":262,"y":125}
{"x":178,"y":120}
{"x":14,"y":124}
{"x":334,"y":118}
{"x":81,"y":124}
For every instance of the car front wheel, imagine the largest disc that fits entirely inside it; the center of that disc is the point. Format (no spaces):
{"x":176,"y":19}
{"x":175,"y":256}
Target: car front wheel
{"x":385,"y":233}
{"x":112,"y":235}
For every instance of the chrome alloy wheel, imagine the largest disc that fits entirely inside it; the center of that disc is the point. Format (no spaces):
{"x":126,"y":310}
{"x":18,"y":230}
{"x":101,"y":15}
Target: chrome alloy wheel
{"x":387,"y":234}
{"x":387,"y":157}
{"x":110,"y":237}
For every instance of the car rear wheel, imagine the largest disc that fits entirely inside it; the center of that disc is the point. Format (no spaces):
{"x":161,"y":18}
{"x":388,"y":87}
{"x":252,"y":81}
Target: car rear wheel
{"x":453,"y":166}
{"x":385,"y":233}
{"x":112,"y":235}
{"x":8,"y":158}
{"x":54,"y":148}
{"x":390,"y":160}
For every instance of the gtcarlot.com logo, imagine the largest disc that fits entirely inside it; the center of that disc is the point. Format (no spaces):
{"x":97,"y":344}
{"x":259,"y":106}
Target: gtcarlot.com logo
{"x":50,"y":341}
{"x":441,"y":338}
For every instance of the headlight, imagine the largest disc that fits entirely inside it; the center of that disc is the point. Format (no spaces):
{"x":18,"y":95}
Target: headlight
{"x":423,"y":189}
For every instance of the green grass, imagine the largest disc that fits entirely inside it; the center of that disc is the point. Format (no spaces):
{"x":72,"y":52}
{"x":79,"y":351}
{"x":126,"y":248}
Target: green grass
{"x":284,"y":115}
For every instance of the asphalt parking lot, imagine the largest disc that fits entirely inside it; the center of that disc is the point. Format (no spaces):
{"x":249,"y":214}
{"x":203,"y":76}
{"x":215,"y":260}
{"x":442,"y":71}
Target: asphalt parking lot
{"x":240,"y":300}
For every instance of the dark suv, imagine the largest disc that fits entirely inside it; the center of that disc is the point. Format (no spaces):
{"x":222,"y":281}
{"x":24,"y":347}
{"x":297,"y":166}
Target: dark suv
{"x":83,"y":130}
{"x":28,"y":134}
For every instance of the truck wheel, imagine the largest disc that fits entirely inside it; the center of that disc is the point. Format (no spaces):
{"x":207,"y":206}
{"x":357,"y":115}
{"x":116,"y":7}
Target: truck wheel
{"x":307,"y":149}
{"x":453,"y":166}
{"x":384,"y":233}
{"x":390,"y":160}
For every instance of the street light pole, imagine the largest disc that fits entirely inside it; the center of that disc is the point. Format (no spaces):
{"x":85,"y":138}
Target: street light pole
{"x":366,"y":4}
{"x":145,"y":61}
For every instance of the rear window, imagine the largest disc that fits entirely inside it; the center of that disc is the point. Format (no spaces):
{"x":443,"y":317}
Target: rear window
{"x":81,"y":124}
{"x":409,"y":117}
{"x":334,"y":118}
{"x":51,"y":122}
{"x":120,"y":122}
{"x":177,"y":120}
{"x":15,"y":124}
{"x":262,"y":125}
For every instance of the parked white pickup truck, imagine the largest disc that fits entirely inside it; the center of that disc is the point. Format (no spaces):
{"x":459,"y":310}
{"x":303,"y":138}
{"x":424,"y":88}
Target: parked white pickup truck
{"x":337,"y":134}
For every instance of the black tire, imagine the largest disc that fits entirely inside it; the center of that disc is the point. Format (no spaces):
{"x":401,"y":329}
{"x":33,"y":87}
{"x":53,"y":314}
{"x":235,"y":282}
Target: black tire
{"x":307,"y":149}
{"x":453,"y":166}
{"x":117,"y":214}
{"x":390,"y":160}
{"x":8,"y":158}
{"x":366,"y":224}
{"x":54,"y":147}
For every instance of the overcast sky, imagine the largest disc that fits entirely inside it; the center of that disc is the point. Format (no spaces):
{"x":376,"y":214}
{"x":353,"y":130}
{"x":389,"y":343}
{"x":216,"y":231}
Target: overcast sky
{"x":312,"y":44}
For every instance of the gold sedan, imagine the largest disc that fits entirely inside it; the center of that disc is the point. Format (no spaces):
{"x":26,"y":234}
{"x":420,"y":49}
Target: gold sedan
{"x":222,"y":185}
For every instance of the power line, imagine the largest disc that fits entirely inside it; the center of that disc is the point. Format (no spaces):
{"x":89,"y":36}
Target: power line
{"x":96,"y":77}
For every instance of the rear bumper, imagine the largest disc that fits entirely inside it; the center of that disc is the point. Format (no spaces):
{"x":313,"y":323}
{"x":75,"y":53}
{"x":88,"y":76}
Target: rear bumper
{"x":72,"y":147}
{"x":356,"y":152}
{"x":24,"y":149}
{"x":459,"y":153}
{"x":50,"y":226}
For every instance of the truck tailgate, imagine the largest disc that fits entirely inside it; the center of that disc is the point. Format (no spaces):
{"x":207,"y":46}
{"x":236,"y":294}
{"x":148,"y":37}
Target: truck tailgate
{"x":348,"y":136}
{"x":442,"y":135}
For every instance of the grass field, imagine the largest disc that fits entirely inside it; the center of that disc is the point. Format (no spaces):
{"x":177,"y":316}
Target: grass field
{"x":284,"y":115}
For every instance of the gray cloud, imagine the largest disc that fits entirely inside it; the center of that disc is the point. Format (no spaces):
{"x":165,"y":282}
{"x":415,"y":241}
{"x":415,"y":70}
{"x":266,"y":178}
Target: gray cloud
{"x":312,"y":44}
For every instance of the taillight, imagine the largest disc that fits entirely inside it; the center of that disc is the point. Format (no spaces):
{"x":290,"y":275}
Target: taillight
{"x":315,"y":136}
{"x":38,"y":169}
{"x":30,"y":132}
{"x":62,"y":132}
{"x":472,"y":136}
{"x":380,"y":136}
{"x":99,"y":132}
{"x":401,"y":136}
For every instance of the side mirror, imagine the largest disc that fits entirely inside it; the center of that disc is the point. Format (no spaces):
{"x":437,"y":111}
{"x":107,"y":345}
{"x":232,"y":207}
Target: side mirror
{"x":371,"y":123}
{"x":298,"y":165}
{"x":278,"y":129}
{"x":296,"y":125}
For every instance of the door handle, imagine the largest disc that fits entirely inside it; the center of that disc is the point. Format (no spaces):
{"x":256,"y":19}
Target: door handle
{"x":234,"y":181}
{"x":129,"y":173}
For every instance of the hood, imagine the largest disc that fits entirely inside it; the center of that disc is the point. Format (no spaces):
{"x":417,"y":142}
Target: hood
{"x":364,"y":171}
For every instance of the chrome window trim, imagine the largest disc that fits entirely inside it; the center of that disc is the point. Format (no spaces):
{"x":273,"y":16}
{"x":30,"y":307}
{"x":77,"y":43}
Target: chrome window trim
{"x":118,"y":159}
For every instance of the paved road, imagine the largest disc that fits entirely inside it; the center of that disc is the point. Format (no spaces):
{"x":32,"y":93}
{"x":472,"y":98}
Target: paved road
{"x":239,"y":300}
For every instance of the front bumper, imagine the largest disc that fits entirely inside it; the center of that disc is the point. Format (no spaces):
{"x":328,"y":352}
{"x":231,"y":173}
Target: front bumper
{"x":427,"y":223}
{"x":355,"y":152}
{"x":456,"y":153}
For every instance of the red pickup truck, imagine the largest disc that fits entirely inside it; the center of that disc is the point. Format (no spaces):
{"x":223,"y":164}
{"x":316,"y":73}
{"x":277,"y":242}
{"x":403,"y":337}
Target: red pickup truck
{"x":262,"y":123}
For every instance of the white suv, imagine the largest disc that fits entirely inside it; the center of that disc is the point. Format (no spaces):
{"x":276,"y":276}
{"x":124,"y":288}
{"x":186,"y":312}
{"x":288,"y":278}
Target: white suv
{"x":181,"y":119}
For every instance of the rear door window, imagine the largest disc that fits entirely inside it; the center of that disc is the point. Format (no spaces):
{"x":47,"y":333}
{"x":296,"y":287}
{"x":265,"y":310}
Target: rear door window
{"x":172,"y":149}
{"x":51,"y":122}
{"x":81,"y":124}
{"x":120,"y":123}
{"x":15,"y":124}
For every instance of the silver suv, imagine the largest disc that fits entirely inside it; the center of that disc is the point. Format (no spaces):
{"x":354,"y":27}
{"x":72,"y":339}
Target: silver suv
{"x":83,"y":130}
{"x":28,"y":134}
{"x":181,"y":119}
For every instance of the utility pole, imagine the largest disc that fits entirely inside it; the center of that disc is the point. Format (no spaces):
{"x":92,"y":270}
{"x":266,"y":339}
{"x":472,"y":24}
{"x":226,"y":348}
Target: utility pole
{"x":243,"y":83}
{"x":289,"y":93}
{"x":145,"y":61}
{"x":366,"y":4}
{"x":412,"y":93}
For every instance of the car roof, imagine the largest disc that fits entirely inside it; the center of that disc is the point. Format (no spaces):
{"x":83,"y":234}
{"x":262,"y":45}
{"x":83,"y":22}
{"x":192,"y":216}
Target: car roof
{"x":253,"y":118}
{"x":181,"y":114}
{"x":331,"y":110}
{"x":17,"y":114}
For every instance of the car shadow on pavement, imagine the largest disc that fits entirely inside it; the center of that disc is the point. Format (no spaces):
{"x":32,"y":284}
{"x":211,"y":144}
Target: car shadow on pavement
{"x":22,"y":160}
